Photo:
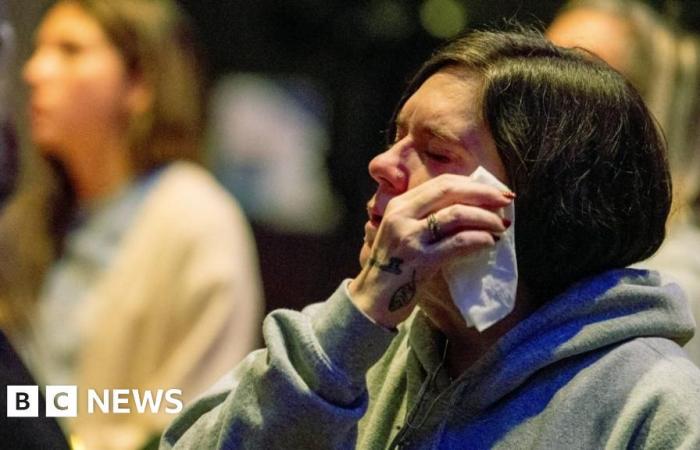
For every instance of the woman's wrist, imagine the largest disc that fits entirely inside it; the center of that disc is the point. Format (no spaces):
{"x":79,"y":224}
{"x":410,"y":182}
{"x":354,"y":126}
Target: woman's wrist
{"x":386,"y":302}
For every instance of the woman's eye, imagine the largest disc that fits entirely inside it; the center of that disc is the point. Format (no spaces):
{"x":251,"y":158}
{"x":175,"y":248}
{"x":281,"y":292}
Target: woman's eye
{"x":438,"y":157}
{"x":70,"y":48}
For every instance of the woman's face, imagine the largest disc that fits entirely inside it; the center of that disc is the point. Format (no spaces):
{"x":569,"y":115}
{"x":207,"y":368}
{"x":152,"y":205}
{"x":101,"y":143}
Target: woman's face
{"x":438,"y":130}
{"x":78,"y":84}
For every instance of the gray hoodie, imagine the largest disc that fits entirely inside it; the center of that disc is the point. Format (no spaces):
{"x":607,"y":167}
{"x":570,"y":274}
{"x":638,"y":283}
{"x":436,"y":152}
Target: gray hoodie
{"x":597,"y":367}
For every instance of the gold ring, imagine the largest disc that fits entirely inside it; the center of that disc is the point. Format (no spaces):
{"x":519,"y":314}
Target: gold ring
{"x":434,"y":227}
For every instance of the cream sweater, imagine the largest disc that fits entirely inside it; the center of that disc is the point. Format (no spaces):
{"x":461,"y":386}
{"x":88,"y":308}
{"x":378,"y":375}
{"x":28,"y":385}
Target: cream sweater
{"x":179,"y":304}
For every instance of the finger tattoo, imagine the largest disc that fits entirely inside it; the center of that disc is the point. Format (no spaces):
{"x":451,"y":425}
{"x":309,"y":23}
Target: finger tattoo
{"x":403,"y":295}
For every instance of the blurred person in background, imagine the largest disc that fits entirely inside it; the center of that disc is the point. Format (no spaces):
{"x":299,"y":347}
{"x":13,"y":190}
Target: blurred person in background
{"x":38,"y":432}
{"x":137,"y":271}
{"x":663,"y":62}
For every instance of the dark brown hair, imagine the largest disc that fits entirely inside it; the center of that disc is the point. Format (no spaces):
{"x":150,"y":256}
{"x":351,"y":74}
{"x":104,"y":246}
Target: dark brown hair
{"x":663,"y":63}
{"x":581,"y":150}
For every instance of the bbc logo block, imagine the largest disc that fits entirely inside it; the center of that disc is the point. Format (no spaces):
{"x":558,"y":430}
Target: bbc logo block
{"x":62,"y":401}
{"x":23,"y":401}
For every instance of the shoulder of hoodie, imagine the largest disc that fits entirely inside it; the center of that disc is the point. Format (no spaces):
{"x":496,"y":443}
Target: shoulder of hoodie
{"x":655,"y":369}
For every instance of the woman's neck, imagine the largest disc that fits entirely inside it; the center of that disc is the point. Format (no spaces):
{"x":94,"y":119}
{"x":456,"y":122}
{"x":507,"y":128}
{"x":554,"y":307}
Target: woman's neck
{"x":467,"y":344}
{"x":99,"y":173}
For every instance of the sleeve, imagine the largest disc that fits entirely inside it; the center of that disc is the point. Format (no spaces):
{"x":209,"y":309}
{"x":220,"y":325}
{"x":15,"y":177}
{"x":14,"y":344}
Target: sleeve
{"x":306,"y":390}
{"x":673,"y":423}
{"x":663,"y":411}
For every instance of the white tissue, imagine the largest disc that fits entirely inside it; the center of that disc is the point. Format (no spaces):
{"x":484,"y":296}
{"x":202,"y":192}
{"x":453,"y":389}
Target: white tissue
{"x":483,"y":285}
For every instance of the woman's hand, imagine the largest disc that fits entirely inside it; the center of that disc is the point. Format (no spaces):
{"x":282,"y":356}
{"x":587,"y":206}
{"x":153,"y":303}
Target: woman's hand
{"x":443,"y":218}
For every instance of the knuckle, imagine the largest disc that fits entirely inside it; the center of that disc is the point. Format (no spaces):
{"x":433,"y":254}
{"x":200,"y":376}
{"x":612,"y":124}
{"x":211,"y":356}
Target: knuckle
{"x":410,"y":246}
{"x":460,"y":240}
{"x":460,"y":214}
{"x":445,"y":188}
{"x":392,"y":205}
{"x":392,"y":223}
{"x":472,"y":239}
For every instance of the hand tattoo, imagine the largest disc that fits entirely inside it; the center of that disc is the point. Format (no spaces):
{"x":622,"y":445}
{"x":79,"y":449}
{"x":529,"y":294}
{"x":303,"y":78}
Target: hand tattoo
{"x":393,"y":266}
{"x":403,"y":295}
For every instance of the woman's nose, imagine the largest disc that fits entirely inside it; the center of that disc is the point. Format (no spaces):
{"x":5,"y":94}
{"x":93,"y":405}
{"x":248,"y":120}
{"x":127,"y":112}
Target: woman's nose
{"x":36,"y":67}
{"x":388,"y":170}
{"x":29,"y":70}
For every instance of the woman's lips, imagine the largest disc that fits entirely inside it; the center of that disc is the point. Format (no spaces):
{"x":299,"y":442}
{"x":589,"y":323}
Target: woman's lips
{"x":375,"y":216}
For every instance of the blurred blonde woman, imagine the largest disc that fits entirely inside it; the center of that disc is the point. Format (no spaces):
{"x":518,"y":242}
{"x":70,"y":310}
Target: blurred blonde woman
{"x":149,"y":274}
{"x":663,"y":62}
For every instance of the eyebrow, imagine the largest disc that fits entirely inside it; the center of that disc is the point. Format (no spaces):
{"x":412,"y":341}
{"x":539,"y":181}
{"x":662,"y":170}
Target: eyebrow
{"x":435,"y":131}
{"x":443,"y":134}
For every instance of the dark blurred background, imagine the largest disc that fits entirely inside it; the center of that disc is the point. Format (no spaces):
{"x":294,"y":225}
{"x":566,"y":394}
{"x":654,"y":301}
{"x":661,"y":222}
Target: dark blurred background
{"x":345,"y":64}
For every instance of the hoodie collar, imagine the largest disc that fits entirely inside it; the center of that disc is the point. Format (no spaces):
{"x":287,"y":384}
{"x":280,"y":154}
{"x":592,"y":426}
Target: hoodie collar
{"x":606,"y":309}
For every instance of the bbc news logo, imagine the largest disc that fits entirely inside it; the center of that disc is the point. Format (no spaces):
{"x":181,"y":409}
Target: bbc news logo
{"x":62,"y":401}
